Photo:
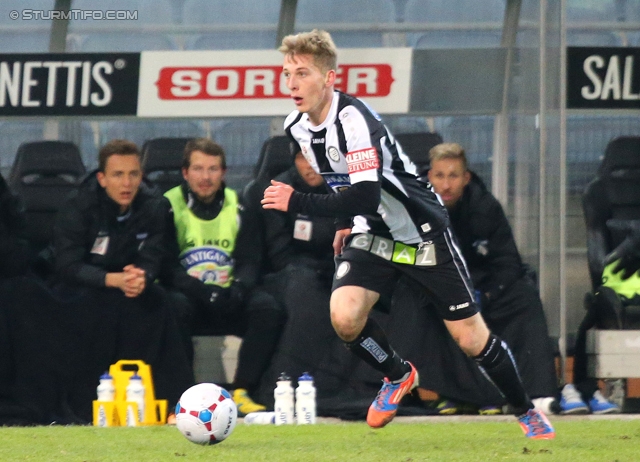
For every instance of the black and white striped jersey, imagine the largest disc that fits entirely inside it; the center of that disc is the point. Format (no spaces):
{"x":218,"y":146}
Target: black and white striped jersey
{"x":374,"y":181}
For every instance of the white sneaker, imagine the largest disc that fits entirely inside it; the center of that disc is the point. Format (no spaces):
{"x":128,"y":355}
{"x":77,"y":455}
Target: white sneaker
{"x":547,"y":404}
{"x":571,"y":401}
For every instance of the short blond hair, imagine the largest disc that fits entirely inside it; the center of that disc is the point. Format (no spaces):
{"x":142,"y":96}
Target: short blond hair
{"x":448,"y":151}
{"x":317,"y":43}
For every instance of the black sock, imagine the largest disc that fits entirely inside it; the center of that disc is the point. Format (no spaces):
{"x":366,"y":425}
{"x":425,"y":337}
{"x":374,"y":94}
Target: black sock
{"x":497,"y":363}
{"x":373,"y":347}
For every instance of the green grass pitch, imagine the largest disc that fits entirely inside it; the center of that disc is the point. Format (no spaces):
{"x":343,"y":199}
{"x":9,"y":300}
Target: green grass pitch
{"x":604,"y":440}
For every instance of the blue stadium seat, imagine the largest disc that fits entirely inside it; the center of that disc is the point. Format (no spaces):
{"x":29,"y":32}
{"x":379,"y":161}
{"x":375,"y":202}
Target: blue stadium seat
{"x":148,"y":11}
{"x":126,"y":42}
{"x":455,"y":11}
{"x":452,"y":11}
{"x":139,"y":131}
{"x":230,"y":12}
{"x":21,"y":42}
{"x":256,"y":24}
{"x":242,"y":140}
{"x":129,"y":35}
{"x":458,"y":39}
{"x":310,"y":12}
{"x":254,"y":40}
{"x":593,"y":38}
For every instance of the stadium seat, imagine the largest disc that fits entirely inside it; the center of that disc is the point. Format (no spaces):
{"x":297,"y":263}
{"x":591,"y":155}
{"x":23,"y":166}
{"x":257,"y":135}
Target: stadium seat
{"x":43,"y":174}
{"x":256,"y":24}
{"x":20,"y":42}
{"x":129,"y":35}
{"x":417,"y":146}
{"x":611,"y":205}
{"x":139,"y":131}
{"x":275,"y":158}
{"x":453,"y":11}
{"x":335,"y":12}
{"x":242,"y":140}
{"x":593,"y":38}
{"x":254,"y":40}
{"x":611,"y":201}
{"x":162,"y":161}
{"x":458,"y":39}
{"x":126,"y":42}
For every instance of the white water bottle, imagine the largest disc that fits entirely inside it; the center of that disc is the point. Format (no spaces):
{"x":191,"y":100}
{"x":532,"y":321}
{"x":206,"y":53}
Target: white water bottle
{"x":106,"y":390}
{"x":260,"y":418}
{"x":135,"y":393}
{"x":305,"y":400}
{"x":283,"y":396}
{"x":106,"y":393}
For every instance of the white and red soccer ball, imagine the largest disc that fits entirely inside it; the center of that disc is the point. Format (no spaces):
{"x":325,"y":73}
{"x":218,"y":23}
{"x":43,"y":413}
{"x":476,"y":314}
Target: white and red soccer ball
{"x":206,"y":414}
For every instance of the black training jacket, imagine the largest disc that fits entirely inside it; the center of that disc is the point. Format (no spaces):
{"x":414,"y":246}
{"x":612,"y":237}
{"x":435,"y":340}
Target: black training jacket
{"x":486,"y":240}
{"x":89,"y":217}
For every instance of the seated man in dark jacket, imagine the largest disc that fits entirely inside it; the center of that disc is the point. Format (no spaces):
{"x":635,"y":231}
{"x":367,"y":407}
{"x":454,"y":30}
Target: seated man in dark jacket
{"x":298,"y":251}
{"x":108,"y":241}
{"x":14,"y":261}
{"x":508,"y":296}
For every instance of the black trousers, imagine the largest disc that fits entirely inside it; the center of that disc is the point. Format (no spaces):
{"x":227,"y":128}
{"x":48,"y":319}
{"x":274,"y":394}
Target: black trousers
{"x":259,"y":322}
{"x":61,"y":341}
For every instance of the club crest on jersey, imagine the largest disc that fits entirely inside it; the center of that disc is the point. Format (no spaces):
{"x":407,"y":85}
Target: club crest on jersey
{"x":362,"y":160}
{"x":334,"y":154}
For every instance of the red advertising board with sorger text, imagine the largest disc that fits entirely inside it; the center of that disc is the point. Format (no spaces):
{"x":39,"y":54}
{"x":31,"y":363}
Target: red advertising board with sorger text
{"x":251,"y":83}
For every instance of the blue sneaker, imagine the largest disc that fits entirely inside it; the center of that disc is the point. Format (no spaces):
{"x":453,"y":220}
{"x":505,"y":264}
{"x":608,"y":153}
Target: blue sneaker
{"x":384,"y":407}
{"x":536,"y":426}
{"x":571,"y":401}
{"x":600,"y":405}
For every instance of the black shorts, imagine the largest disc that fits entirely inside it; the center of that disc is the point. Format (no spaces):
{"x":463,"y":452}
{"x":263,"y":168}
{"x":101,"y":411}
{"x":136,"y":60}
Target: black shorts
{"x":444,"y":278}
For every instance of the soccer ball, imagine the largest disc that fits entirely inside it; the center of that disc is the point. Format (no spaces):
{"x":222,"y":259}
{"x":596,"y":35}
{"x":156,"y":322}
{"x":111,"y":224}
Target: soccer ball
{"x":206,"y":414}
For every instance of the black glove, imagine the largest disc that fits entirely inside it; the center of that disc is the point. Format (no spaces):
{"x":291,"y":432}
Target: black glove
{"x":627,"y":254}
{"x":226,"y":300}
{"x":210,"y":294}
{"x":237,"y":295}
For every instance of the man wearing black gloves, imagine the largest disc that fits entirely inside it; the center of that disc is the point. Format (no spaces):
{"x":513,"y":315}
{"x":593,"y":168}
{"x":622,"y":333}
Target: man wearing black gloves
{"x":216,"y":267}
{"x":108,"y":241}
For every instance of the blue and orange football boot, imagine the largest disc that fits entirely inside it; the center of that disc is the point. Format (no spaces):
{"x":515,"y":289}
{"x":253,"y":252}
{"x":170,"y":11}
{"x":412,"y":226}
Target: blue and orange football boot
{"x":536,"y":426}
{"x":385,"y":406}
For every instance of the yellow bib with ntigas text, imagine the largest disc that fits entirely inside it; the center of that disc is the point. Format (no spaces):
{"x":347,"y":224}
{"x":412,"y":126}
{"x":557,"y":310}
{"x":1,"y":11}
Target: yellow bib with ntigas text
{"x":206,"y":246}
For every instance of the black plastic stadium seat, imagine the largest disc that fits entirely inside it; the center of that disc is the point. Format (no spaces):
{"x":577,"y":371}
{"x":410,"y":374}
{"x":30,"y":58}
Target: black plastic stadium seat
{"x":611,"y":199}
{"x":611,"y":204}
{"x":43,"y":174}
{"x":417,"y":146}
{"x":162,"y":161}
{"x":275,"y":158}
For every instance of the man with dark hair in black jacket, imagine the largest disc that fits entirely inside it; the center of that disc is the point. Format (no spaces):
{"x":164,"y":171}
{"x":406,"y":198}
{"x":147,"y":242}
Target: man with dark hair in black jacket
{"x":108,"y":241}
{"x":506,"y":293}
